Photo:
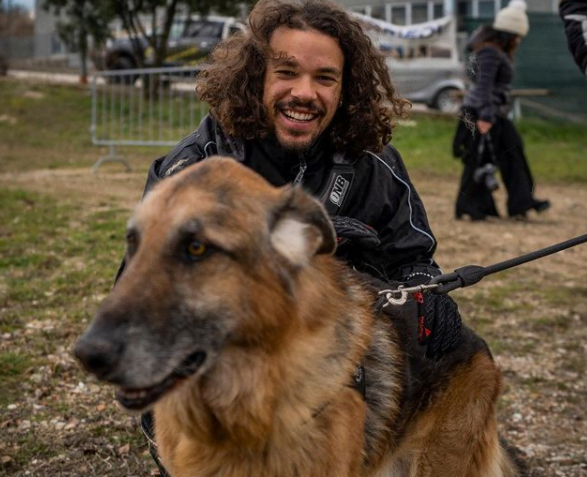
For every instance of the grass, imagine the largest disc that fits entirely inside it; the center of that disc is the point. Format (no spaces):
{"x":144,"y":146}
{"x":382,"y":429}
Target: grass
{"x":58,"y":260}
{"x":44,"y":279}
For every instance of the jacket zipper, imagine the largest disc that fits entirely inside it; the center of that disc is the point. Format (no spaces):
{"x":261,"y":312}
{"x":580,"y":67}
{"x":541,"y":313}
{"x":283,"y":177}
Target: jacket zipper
{"x":303,"y":167}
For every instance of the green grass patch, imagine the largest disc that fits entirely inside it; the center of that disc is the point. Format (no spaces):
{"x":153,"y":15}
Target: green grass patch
{"x":550,"y":323}
{"x":564,"y":296}
{"x":31,"y":447}
{"x":54,"y":254}
{"x":13,"y":364}
{"x":13,"y":367}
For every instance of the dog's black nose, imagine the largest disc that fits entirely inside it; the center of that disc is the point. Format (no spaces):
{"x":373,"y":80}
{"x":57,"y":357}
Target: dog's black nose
{"x":98,"y":356}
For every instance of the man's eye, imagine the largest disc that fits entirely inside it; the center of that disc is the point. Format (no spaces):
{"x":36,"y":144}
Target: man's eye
{"x":196,"y":249}
{"x":285,"y":73}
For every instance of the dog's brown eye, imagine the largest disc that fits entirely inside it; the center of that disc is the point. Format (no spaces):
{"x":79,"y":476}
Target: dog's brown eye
{"x":196,"y":249}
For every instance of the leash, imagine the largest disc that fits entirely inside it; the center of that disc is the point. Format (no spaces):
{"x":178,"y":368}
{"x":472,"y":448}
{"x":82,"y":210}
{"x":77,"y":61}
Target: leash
{"x":472,"y":274}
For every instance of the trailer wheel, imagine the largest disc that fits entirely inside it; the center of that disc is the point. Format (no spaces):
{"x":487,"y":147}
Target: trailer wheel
{"x":448,"y":100}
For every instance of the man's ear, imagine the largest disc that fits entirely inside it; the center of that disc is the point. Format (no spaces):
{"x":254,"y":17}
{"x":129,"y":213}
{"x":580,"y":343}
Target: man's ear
{"x":301,"y":227}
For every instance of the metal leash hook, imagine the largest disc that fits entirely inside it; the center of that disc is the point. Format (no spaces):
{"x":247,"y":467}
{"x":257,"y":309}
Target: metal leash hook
{"x":403,"y":292}
{"x":389,"y":296}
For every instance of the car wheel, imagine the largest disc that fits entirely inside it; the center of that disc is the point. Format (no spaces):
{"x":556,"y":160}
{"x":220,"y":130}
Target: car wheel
{"x":448,"y":100}
{"x":122,"y":63}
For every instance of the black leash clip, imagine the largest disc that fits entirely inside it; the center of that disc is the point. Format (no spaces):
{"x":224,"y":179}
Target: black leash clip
{"x":460,"y":278}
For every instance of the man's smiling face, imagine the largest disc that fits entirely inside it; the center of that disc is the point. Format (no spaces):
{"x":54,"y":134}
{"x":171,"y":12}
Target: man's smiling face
{"x":303,"y":85}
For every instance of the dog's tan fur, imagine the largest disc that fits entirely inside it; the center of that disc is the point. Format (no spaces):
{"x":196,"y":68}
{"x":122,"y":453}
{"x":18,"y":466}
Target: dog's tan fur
{"x":283,"y":326}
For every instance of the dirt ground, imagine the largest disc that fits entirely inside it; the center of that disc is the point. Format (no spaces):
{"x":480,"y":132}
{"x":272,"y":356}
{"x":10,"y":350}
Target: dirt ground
{"x":534,"y":317}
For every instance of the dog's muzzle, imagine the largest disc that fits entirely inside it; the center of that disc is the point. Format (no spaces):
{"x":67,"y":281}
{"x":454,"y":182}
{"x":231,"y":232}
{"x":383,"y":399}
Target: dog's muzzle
{"x":103,"y":358}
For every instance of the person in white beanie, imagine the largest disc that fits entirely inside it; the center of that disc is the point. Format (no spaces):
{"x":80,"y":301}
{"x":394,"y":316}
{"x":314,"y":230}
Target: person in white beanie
{"x":494,"y":141}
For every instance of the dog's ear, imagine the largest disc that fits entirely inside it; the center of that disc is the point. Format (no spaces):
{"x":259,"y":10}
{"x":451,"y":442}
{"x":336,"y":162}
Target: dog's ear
{"x":301,"y":227}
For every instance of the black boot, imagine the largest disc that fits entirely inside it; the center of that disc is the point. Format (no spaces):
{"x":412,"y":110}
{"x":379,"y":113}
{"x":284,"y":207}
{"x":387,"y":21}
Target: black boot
{"x":541,"y":205}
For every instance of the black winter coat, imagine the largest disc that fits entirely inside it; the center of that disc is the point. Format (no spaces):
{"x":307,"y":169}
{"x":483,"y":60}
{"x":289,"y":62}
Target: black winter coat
{"x":492,"y":76}
{"x":379,"y":193}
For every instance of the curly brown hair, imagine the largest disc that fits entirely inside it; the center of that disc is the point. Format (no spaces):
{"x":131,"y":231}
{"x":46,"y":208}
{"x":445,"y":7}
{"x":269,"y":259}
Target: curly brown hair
{"x":233,"y":83}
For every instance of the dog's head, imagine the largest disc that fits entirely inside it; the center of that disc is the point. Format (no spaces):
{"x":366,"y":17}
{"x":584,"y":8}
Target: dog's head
{"x":203,"y":249}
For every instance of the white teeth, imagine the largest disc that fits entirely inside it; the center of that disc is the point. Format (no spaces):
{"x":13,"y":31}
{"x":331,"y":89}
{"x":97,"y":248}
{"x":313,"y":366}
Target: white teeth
{"x":298,"y":116}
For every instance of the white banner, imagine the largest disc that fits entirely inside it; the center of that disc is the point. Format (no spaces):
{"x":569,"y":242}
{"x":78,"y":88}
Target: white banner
{"x":433,"y":39}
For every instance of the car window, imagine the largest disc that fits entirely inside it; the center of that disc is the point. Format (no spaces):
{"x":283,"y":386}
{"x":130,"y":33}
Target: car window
{"x":204,"y":29}
{"x":211,"y":30}
{"x":176,"y":31}
{"x":193,"y":28}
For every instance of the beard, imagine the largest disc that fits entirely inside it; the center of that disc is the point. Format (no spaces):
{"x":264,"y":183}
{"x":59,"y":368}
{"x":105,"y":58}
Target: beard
{"x":291,"y":141}
{"x":291,"y":145}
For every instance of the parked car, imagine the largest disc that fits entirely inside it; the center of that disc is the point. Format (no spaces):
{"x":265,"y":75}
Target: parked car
{"x":189,"y":43}
{"x":437,"y":82}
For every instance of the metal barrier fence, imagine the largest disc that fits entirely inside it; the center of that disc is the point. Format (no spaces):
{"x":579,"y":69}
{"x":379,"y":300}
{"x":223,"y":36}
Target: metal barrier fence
{"x":146,"y":107}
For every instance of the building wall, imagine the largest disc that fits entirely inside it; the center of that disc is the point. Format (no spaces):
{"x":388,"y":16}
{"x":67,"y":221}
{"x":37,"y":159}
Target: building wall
{"x":405,"y":12}
{"x":47,"y":44}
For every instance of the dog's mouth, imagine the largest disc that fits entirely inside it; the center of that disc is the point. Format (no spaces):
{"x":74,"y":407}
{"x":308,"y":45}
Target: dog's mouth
{"x":137,"y":399}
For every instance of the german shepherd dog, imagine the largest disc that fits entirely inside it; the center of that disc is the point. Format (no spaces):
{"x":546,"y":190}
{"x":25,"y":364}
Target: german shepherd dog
{"x":237,"y":327}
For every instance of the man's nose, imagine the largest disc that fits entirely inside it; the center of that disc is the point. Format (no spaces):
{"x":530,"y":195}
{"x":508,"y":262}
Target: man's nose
{"x":304,"y":89}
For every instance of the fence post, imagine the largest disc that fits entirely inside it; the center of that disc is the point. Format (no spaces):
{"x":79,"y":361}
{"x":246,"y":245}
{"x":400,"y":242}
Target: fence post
{"x":111,"y":157}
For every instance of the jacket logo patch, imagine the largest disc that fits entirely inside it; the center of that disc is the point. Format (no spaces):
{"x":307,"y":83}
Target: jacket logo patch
{"x":339,"y":190}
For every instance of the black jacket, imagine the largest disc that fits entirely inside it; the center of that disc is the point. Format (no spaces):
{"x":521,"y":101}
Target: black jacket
{"x":492,"y":76}
{"x":574,"y":14}
{"x":378,"y":192}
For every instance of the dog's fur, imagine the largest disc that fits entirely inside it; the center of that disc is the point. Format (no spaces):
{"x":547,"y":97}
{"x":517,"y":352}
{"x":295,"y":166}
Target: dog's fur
{"x":274,"y":328}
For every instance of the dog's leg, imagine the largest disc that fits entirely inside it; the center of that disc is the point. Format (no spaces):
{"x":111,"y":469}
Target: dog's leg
{"x":457,"y":436}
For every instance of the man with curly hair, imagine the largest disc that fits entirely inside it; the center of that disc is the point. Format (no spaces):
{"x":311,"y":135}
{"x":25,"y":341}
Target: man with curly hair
{"x":303,"y":96}
{"x":302,"y":93}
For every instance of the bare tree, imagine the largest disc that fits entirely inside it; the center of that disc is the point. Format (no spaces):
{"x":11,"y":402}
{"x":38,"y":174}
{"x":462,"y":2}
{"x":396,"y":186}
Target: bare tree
{"x":139,"y":17}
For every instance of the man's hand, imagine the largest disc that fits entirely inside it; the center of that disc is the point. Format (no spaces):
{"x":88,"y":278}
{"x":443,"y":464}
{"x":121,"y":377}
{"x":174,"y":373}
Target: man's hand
{"x":354,"y":233}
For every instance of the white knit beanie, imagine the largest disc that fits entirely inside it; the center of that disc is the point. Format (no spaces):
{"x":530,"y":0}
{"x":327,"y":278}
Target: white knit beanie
{"x":513,"y":18}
